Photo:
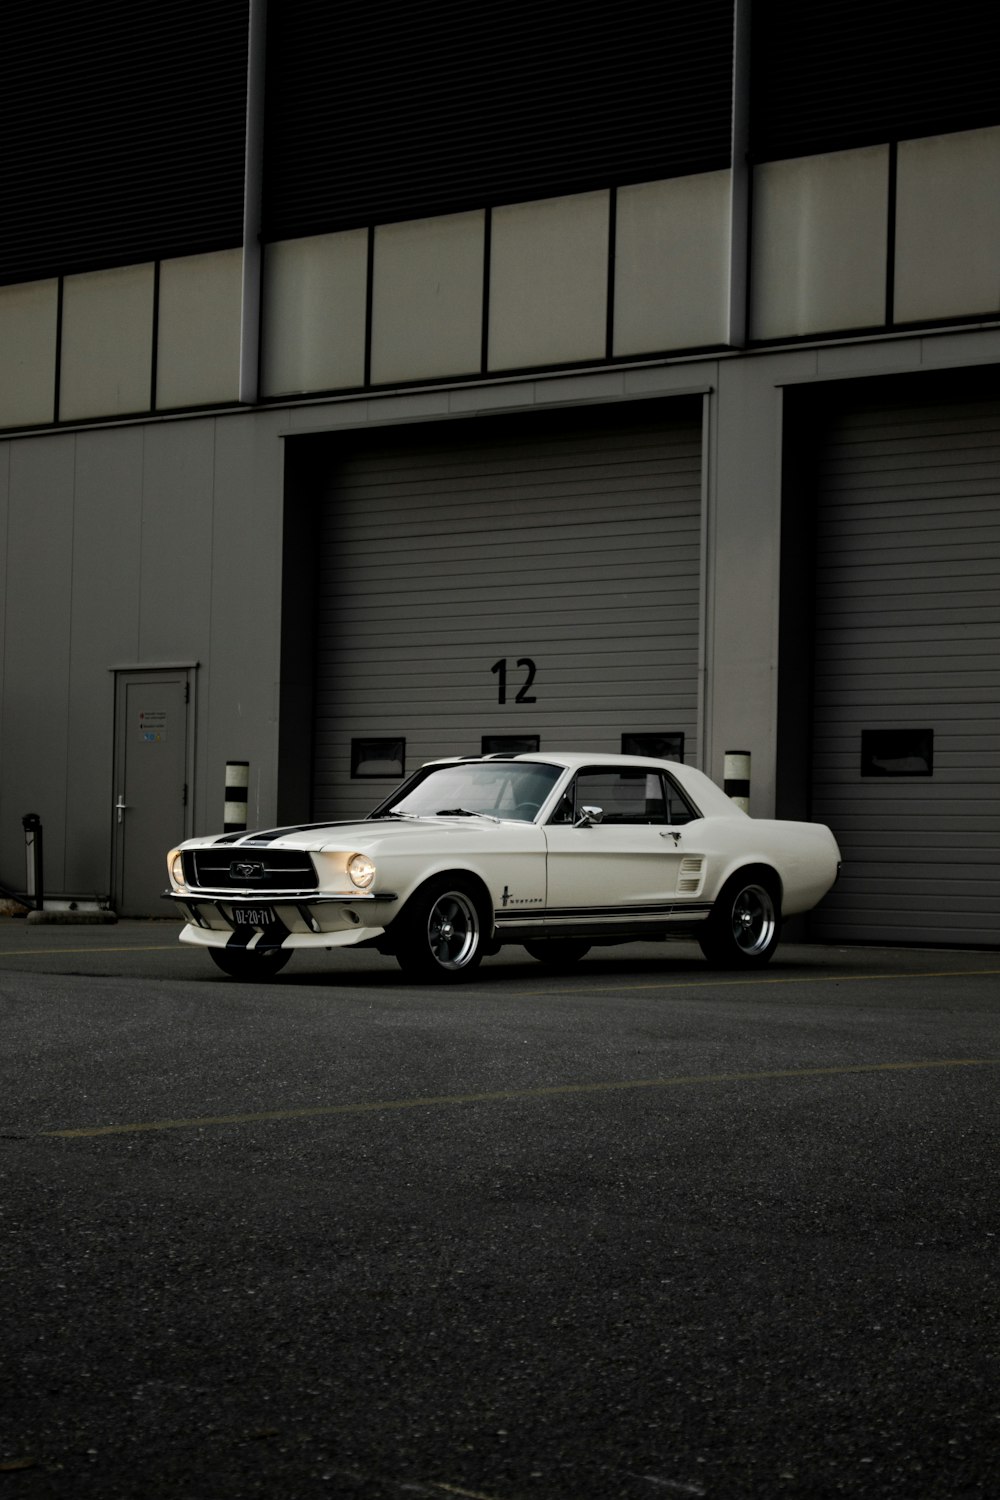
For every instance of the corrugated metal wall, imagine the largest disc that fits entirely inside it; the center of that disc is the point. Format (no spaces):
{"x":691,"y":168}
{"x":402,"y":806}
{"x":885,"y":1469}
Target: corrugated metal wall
{"x":566,"y":549}
{"x":834,"y":74}
{"x":123,"y":125}
{"x":908,"y":641}
{"x":123,"y":132}
{"x":432,"y":108}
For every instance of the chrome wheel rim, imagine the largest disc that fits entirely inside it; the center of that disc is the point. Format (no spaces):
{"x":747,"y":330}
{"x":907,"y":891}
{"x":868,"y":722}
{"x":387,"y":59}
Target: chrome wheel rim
{"x":754,"y":920}
{"x":452,"y":930}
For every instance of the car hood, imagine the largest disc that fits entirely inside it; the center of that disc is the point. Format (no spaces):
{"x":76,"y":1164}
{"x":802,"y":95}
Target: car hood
{"x":372,"y":834}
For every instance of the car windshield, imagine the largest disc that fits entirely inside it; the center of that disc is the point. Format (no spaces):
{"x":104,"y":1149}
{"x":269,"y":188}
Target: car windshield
{"x":493,"y":789}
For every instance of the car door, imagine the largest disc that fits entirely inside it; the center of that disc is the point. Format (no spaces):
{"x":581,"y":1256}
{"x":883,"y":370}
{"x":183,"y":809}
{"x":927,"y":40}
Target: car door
{"x":614,"y":850}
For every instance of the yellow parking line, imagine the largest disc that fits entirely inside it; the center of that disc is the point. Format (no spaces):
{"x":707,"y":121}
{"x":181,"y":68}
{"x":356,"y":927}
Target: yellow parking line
{"x":506,"y":1096}
{"x":714,"y":981}
{"x":55,"y":952}
{"x":720,"y":981}
{"x":452,"y":1489}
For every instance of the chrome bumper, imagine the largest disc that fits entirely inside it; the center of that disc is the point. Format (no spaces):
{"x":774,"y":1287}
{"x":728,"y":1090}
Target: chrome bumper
{"x":298,"y":901}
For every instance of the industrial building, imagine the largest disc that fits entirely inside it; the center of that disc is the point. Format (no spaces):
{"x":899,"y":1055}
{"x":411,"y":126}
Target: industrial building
{"x":382,"y":383}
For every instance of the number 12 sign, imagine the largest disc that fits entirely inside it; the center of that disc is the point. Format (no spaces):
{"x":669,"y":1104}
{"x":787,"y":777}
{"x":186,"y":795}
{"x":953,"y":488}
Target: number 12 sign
{"x":523,"y":695}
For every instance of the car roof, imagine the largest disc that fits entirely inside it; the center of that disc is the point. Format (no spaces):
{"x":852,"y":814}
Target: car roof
{"x":708,"y":796}
{"x":569,"y":760}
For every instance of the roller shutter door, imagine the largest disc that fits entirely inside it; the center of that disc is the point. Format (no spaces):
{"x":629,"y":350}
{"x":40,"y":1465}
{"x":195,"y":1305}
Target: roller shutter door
{"x":907,"y":675}
{"x":516,"y":577}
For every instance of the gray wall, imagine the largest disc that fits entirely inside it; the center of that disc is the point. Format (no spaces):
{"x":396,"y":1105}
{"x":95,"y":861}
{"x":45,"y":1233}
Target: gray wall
{"x":534,"y":276}
{"x":161,"y":542}
{"x":133,"y":546}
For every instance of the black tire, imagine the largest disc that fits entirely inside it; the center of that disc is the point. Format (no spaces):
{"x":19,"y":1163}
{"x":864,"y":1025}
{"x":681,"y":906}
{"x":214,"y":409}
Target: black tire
{"x":252,"y":964}
{"x":557,"y":953}
{"x":745,"y":926}
{"x":440,"y":933}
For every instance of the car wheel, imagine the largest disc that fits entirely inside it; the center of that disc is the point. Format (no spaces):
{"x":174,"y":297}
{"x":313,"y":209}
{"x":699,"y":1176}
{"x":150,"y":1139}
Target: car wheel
{"x":745,"y":925}
{"x":557,"y":953}
{"x":441,"y":932}
{"x":255,"y":964}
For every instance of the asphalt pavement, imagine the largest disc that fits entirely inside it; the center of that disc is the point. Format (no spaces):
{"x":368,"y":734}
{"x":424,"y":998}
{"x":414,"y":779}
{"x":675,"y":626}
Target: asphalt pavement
{"x":639,"y":1230}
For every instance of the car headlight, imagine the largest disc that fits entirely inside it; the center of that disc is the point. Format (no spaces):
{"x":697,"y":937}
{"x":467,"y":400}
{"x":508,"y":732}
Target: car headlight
{"x":175,"y":867}
{"x":361,"y":870}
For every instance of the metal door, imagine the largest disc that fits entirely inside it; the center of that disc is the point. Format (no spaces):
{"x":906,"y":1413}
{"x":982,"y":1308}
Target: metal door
{"x":906,"y":762}
{"x":151,"y":785}
{"x":535,"y":577}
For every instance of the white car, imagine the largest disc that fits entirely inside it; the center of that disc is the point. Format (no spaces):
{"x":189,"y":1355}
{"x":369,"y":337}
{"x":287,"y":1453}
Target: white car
{"x":557,"y":852}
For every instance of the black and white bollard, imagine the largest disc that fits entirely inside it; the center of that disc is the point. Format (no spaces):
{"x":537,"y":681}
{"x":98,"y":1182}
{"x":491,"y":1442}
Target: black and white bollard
{"x":736,"y":777}
{"x":34,"y":887}
{"x":237,"y":788}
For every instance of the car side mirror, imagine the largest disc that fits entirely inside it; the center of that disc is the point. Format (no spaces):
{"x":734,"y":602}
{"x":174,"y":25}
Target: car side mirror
{"x":589,"y":816}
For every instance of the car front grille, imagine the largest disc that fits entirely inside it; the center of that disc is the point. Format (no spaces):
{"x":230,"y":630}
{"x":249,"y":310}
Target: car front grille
{"x":229,"y":869}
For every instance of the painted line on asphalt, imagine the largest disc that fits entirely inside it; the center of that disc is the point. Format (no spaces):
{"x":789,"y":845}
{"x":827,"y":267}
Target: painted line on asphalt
{"x":453,"y":1489}
{"x":507,"y":1096}
{"x":75,"y":952}
{"x":718,"y":982}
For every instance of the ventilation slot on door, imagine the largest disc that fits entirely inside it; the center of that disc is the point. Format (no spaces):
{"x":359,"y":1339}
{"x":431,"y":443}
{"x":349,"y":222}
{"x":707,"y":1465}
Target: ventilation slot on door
{"x":689,"y":876}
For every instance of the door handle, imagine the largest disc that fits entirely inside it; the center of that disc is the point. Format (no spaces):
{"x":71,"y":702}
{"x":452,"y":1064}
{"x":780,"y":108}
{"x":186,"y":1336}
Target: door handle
{"x":120,"y":806}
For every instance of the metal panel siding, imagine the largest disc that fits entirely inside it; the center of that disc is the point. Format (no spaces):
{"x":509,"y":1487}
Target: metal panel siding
{"x":573,"y":543}
{"x":908,"y":636}
{"x":123,"y":130}
{"x":836,"y":74}
{"x":452,"y":106}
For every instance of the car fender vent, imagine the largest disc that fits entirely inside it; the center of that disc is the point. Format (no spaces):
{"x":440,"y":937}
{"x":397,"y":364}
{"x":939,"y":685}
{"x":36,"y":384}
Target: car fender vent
{"x":690,"y":875}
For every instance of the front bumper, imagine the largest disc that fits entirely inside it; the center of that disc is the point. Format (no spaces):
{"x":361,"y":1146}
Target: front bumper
{"x":294,"y":919}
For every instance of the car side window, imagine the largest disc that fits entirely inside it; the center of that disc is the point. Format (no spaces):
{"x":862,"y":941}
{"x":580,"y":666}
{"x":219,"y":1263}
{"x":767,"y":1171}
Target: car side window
{"x":625,"y":795}
{"x":679,"y":809}
{"x":565,"y":809}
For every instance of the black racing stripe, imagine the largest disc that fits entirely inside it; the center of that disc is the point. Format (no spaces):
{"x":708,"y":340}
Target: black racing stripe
{"x":631,"y":909}
{"x":651,"y":910}
{"x":269,"y":835}
{"x":273,"y":936}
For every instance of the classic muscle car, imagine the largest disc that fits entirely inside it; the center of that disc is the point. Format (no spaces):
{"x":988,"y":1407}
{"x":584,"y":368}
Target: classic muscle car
{"x":557,"y":852}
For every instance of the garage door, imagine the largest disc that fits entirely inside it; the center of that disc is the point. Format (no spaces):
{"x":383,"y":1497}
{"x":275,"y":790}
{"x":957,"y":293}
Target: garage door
{"x":504,"y":583}
{"x":907,"y":676}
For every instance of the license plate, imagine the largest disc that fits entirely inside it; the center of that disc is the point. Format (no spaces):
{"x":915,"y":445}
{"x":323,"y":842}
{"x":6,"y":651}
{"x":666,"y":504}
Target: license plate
{"x":253,"y":916}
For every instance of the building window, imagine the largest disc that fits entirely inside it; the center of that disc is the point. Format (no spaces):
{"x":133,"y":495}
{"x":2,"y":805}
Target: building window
{"x":659,"y":746}
{"x":383,"y":758}
{"x":509,"y":744}
{"x":897,"y":752}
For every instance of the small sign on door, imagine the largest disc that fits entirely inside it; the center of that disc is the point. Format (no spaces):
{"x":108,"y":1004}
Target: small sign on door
{"x":152,"y":727}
